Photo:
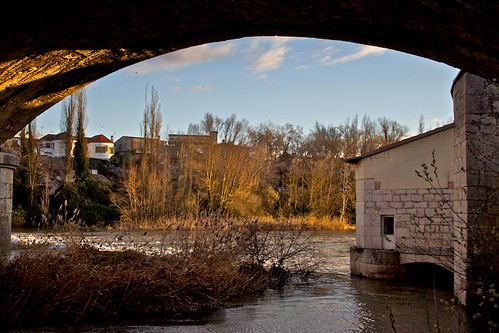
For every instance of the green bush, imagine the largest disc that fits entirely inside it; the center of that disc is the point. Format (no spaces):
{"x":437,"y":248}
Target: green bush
{"x":91,"y":199}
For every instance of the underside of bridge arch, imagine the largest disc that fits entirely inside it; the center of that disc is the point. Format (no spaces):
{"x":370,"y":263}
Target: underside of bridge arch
{"x":51,"y":49}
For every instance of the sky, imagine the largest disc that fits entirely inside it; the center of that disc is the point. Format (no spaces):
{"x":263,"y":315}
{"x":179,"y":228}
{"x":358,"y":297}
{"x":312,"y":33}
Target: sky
{"x":281,"y":80}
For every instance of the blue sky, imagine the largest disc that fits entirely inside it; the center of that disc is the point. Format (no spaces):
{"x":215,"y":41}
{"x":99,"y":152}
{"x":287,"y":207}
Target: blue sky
{"x":278,"y":79}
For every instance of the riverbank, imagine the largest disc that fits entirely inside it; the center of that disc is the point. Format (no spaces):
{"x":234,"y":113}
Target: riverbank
{"x":47,"y":286}
{"x":330,"y":301}
{"x":264,"y":222}
{"x":74,"y":277}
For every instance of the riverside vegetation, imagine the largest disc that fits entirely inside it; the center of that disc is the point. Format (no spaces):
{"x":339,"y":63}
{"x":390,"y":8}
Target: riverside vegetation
{"x":266,"y":172}
{"x":238,"y":215}
{"x":189,"y":272}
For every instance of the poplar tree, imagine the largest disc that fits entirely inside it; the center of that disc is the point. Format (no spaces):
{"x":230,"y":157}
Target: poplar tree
{"x":29,"y":170}
{"x":80,"y":153}
{"x":68,"y":127}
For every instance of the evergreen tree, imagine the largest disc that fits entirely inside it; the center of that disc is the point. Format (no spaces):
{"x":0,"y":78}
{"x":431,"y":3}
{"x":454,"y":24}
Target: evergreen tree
{"x":27,"y":174}
{"x":80,"y":153}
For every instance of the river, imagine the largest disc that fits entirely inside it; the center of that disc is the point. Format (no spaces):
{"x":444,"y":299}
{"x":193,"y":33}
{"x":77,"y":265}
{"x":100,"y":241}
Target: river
{"x":332,"y":301}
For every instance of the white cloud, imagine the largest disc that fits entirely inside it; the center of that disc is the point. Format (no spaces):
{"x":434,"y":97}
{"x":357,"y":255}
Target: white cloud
{"x":270,"y":60}
{"x":302,"y":67}
{"x":185,"y":58}
{"x":200,"y":88}
{"x":361,"y":52}
{"x":266,"y":54}
{"x":323,"y":48}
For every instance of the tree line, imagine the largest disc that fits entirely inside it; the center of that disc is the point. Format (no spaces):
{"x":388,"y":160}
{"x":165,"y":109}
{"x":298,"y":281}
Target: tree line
{"x":266,"y":170}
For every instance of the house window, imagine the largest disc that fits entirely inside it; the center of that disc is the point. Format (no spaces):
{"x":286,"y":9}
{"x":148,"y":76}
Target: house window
{"x":100,"y":150}
{"x":109,"y":150}
{"x":388,"y":225}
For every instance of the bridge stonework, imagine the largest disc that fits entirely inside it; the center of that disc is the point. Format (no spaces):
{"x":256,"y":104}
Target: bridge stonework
{"x":476,"y":119}
{"x":441,"y":221}
{"x":52,"y":49}
{"x":8,"y":162}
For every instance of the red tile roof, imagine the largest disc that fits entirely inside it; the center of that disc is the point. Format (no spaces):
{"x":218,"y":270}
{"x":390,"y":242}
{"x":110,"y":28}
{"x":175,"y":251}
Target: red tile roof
{"x":99,"y":138}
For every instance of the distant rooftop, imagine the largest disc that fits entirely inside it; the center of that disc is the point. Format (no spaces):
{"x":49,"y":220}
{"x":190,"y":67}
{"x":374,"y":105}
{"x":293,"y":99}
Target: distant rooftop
{"x":99,"y":138}
{"x":53,"y":137}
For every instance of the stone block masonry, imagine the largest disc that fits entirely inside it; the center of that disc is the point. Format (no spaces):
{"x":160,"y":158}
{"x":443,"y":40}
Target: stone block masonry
{"x":8,"y":162}
{"x":414,"y":210}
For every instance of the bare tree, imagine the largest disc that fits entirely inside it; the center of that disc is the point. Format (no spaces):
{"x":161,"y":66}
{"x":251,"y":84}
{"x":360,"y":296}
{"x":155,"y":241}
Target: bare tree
{"x":370,"y":137}
{"x":211,"y":123}
{"x":421,"y":124}
{"x":391,"y":130}
{"x":148,"y":184}
{"x":151,"y":129}
{"x":68,"y":121}
{"x":322,"y":141}
{"x":194,"y":129}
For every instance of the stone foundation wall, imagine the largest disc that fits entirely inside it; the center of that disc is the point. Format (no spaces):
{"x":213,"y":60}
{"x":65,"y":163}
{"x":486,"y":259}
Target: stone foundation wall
{"x":376,"y":264}
{"x":423,"y":217}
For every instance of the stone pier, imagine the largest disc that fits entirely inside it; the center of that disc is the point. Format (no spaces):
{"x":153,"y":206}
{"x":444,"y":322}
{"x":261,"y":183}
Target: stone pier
{"x":476,"y":150}
{"x":8,"y":162}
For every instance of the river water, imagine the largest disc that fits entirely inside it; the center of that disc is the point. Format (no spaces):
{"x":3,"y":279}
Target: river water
{"x":331,"y":301}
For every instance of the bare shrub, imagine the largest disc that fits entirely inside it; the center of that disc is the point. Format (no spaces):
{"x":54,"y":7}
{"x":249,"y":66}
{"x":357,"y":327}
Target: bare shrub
{"x":285,"y":249}
{"x":200,"y":265}
{"x":78,"y":284}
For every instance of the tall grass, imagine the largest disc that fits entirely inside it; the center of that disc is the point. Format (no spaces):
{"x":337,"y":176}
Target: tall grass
{"x":190,"y":221}
{"x":307,"y":222}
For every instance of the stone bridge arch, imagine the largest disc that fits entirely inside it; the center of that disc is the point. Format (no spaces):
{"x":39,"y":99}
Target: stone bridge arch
{"x":430,"y":273}
{"x":50,"y":50}
{"x":444,"y":261}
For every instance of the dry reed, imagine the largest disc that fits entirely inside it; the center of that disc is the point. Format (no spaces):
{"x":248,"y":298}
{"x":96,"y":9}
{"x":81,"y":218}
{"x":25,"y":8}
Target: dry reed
{"x":80,"y":284}
{"x":200,"y":265}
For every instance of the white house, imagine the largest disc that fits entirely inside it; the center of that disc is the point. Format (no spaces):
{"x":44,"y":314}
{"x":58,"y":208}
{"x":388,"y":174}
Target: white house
{"x":53,"y":145}
{"x":100,"y":147}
